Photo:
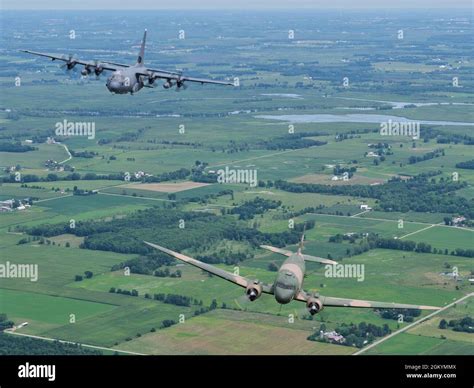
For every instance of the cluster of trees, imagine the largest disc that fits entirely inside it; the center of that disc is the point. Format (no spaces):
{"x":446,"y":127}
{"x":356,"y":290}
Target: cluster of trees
{"x":353,"y":134}
{"x":83,"y":154}
{"x":375,"y":241}
{"x":372,"y":241}
{"x":83,"y":192}
{"x":131,"y":136}
{"x":379,"y":146}
{"x":465,"y":324}
{"x":446,"y":138}
{"x":173,"y":228}
{"x":14,"y":345}
{"x":177,"y":300}
{"x":339,"y":238}
{"x":123,"y":292}
{"x":80,"y":278}
{"x":182,"y":173}
{"x":167,"y":323}
{"x":408,"y":315}
{"x":419,"y":194}
{"x":206,"y":197}
{"x":229,"y":258}
{"x":174,"y":142}
{"x":469,"y":164}
{"x":291,"y":142}
{"x":167,"y":273}
{"x":297,"y":213}
{"x":199,"y":174}
{"x":249,"y":209}
{"x":145,"y":264}
{"x":16,"y":147}
{"x":339,"y":170}
{"x":354,"y":335}
{"x":463,"y":252}
{"x":40,"y":240}
{"x":430,"y":155}
{"x":163,"y":325}
{"x":5,"y":323}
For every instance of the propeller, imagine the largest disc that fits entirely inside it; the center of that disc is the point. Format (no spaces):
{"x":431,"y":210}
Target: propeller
{"x":242,"y":302}
{"x":98,"y":69}
{"x":304,"y":313}
{"x":69,"y":64}
{"x":180,"y":85}
{"x":95,"y":67}
{"x":151,"y":79}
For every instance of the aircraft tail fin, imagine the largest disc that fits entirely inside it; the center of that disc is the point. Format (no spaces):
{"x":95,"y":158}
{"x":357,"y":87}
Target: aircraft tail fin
{"x":301,"y":244}
{"x":141,"y":54}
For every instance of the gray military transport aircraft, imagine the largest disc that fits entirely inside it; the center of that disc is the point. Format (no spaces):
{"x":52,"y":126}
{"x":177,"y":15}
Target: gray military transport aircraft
{"x":289,"y":282}
{"x":130,"y":78}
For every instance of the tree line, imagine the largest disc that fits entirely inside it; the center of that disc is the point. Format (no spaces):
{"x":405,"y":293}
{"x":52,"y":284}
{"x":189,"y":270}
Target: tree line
{"x":419,"y":194}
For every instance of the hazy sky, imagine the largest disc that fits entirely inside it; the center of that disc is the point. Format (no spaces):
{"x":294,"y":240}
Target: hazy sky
{"x":229,"y":4}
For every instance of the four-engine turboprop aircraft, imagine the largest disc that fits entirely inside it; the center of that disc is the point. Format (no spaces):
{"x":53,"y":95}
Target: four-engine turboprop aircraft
{"x":130,"y":78}
{"x":288,"y":284}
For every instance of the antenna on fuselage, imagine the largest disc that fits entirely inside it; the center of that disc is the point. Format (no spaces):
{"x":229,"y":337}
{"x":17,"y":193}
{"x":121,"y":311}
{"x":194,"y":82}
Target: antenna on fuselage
{"x":301,"y":245}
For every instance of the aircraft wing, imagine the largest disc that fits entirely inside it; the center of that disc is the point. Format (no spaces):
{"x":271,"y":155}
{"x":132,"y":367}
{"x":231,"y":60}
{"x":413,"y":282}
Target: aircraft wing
{"x":236,"y":279}
{"x":163,"y":71}
{"x":173,"y":76}
{"x":91,"y":64}
{"x":343,"y":302}
{"x":117,"y":64}
{"x":146,"y":74}
{"x":148,"y":69}
{"x":206,"y":81}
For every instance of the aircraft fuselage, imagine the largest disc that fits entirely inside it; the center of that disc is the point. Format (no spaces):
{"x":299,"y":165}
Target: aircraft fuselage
{"x":125,"y":80}
{"x":289,"y":280}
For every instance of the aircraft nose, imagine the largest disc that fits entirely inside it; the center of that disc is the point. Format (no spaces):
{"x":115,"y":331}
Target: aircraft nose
{"x":113,"y":85}
{"x":283,"y":295}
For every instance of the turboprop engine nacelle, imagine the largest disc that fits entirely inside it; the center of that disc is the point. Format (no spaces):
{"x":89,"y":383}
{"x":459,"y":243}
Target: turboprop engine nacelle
{"x":168,"y":84}
{"x":314,"y":305}
{"x":253,"y":291}
{"x":86,"y":71}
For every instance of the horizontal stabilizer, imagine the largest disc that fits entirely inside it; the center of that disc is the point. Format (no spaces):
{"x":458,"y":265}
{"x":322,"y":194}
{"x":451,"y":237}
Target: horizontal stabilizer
{"x":284,"y":252}
{"x":277,"y":250}
{"x":316,"y":259}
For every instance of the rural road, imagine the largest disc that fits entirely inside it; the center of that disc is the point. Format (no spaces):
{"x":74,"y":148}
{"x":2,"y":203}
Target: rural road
{"x":67,"y":150}
{"x":412,"y":324}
